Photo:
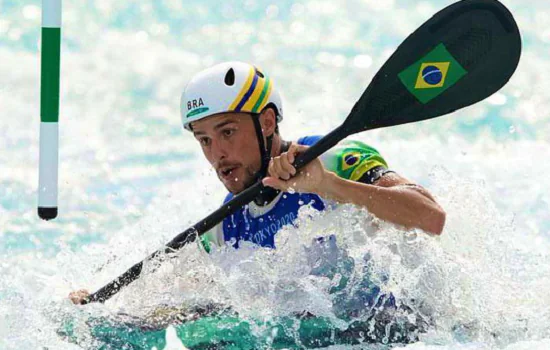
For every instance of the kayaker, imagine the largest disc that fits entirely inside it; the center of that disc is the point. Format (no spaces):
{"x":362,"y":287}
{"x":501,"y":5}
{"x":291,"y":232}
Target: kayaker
{"x":233,"y":110}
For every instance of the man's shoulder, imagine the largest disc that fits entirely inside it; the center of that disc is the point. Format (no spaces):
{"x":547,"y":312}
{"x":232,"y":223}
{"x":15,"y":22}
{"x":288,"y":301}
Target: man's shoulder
{"x":313,"y":139}
{"x":309,"y":140}
{"x":355,"y":160}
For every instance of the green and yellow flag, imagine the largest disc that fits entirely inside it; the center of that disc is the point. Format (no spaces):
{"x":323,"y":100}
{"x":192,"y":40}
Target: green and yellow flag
{"x":434,"y":73}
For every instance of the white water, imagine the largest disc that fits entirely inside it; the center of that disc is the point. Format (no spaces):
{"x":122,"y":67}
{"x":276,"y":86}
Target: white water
{"x":130,"y":179}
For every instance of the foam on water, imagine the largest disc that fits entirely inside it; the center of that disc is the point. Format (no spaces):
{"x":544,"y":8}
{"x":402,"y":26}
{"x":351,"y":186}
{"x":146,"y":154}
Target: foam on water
{"x":130,"y":179}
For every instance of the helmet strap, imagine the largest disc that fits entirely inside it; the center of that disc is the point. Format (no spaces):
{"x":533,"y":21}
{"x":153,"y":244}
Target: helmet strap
{"x":267,"y":194}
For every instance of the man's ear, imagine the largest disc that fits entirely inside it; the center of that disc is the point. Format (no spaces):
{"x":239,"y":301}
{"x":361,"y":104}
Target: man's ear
{"x":268,"y":120}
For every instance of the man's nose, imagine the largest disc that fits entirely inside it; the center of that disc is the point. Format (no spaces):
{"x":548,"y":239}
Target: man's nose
{"x":219,"y":151}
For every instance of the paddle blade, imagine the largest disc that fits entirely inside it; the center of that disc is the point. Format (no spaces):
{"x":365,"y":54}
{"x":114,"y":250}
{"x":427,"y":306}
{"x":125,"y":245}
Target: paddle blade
{"x":462,"y":55}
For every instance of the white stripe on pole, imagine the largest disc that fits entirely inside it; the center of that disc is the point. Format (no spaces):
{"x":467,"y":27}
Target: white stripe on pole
{"x":47,"y":182}
{"x":51,"y":13}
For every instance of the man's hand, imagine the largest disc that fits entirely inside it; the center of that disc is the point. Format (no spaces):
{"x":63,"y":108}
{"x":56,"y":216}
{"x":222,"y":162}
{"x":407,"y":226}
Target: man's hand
{"x":79,"y":296}
{"x":282,"y":175}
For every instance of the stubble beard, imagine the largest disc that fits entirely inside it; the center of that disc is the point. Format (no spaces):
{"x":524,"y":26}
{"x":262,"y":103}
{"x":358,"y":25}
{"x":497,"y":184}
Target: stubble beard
{"x":249,"y":180}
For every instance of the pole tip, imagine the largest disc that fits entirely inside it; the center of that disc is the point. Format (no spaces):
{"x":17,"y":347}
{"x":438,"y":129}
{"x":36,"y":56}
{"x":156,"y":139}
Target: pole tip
{"x":47,"y":213}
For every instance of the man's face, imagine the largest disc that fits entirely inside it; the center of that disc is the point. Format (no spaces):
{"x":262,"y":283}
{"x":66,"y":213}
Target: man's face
{"x":230,"y":144}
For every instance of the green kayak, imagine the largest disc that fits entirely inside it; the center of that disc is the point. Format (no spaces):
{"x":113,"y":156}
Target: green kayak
{"x":226,"y":330}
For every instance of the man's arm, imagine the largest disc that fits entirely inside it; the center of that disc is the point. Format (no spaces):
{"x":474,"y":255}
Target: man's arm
{"x":390,"y":198}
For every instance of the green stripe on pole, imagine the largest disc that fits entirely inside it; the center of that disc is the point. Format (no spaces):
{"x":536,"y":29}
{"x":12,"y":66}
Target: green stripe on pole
{"x":49,"y":79}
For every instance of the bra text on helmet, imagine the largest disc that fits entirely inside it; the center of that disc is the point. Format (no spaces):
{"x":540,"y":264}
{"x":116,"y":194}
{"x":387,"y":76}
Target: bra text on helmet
{"x":194,"y":104}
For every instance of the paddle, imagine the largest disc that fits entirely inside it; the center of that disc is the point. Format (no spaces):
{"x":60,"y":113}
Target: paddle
{"x":460,"y":56}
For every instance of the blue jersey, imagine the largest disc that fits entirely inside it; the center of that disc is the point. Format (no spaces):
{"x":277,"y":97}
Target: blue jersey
{"x":351,"y":160}
{"x":260,"y":226}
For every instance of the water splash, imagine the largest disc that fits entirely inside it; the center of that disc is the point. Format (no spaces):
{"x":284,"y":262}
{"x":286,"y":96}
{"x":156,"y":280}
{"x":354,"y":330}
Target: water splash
{"x":131,"y":181}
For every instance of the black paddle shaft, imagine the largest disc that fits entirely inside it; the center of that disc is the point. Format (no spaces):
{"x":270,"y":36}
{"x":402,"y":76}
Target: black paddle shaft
{"x":479,"y":36}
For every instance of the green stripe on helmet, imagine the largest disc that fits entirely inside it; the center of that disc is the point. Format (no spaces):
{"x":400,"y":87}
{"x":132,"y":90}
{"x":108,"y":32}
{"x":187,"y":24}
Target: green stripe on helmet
{"x":262,"y":96}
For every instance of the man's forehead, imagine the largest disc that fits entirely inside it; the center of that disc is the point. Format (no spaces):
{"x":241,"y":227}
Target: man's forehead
{"x":215,"y":121}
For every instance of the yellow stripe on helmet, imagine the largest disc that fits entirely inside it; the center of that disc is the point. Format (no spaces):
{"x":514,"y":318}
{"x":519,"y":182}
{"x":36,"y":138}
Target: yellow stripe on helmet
{"x":255,"y":95}
{"x":244,"y":89}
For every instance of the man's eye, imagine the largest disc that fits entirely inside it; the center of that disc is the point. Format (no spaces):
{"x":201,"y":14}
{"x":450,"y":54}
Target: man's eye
{"x":228,"y":132}
{"x":204,"y":141}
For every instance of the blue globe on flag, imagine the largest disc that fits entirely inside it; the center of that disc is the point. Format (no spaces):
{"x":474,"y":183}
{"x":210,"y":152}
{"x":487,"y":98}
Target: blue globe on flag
{"x":432,"y":75}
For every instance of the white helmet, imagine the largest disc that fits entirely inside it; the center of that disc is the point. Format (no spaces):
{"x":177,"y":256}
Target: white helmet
{"x":228,"y":87}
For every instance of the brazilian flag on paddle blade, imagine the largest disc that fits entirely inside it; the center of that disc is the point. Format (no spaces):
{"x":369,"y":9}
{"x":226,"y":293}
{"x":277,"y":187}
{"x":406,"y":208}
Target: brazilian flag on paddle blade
{"x":432,"y":74}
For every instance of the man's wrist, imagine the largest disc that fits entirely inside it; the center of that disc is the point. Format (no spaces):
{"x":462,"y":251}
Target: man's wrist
{"x":328,"y":185}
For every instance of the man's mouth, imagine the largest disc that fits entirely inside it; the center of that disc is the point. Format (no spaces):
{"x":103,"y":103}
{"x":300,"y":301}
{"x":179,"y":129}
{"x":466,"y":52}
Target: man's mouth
{"x":227,"y":172}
